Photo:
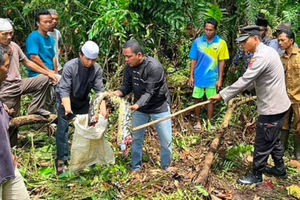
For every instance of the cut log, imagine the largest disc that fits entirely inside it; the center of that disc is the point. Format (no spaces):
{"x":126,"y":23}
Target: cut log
{"x":31,"y":119}
{"x":203,"y":176}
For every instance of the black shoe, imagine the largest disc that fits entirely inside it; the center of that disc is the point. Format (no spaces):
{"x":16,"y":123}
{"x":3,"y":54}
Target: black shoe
{"x":275,"y":172}
{"x":251,"y":179}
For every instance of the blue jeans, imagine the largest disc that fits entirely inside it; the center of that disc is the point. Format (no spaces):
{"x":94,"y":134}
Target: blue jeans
{"x":164,"y":130}
{"x":62,"y":133}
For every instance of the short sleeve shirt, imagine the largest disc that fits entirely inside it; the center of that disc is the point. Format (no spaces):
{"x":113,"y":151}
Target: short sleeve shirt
{"x":58,"y":42}
{"x":208,"y":56}
{"x":42,"y":46}
{"x":13,"y":80}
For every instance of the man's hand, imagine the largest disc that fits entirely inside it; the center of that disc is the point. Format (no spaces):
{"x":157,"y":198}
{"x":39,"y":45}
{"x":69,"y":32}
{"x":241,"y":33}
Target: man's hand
{"x":134,"y":108}
{"x":216,"y":98}
{"x":191,"y":82}
{"x":117,"y":93}
{"x":219,"y":84}
{"x":52,"y":76}
{"x":232,"y":69}
{"x":9,"y":111}
{"x":15,"y":160}
{"x":68,"y":111}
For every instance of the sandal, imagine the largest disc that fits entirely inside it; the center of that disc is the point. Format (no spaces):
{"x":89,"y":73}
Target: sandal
{"x":42,"y":112}
{"x":197,"y":127}
{"x":61,"y":167}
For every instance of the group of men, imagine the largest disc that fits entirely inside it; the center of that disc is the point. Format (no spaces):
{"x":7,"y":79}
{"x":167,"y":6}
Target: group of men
{"x":13,"y":86}
{"x":275,"y":81}
{"x":146,"y":78}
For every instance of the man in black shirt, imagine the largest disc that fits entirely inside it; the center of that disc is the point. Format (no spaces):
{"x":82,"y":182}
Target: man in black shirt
{"x":79,"y":77}
{"x":145,"y":77}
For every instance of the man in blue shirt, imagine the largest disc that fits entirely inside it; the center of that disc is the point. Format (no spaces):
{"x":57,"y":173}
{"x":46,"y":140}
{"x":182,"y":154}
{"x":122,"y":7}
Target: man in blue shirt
{"x":208,"y":54}
{"x":40,"y":49}
{"x":40,"y":46}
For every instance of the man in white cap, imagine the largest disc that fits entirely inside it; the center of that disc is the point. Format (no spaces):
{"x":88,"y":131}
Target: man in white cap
{"x":266,"y":73}
{"x":14,"y":86}
{"x":53,"y":32}
{"x":79,"y":77}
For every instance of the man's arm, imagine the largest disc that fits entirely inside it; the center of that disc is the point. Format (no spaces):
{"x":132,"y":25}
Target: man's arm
{"x":55,"y":65}
{"x":192,"y":78}
{"x":67,"y":105}
{"x":35,"y":58}
{"x":258,"y":65}
{"x":40,"y":70}
{"x":221,"y":73}
{"x":65,"y":89}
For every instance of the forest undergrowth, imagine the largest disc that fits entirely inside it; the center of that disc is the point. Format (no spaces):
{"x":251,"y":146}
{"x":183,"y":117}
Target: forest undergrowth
{"x":36,"y":154}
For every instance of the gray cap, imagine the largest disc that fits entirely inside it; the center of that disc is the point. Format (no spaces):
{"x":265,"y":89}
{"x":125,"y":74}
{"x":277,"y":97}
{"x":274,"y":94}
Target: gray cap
{"x":248,"y":31}
{"x":52,"y":11}
{"x":284,"y":25}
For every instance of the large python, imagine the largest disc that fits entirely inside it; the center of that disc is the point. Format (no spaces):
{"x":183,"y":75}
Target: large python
{"x":124,"y":138}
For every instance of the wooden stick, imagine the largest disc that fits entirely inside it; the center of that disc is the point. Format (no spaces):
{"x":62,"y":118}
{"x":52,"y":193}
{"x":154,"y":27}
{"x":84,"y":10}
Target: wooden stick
{"x":170,"y":116}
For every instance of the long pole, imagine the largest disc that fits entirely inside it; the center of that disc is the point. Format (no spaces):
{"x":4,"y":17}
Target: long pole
{"x":170,"y":116}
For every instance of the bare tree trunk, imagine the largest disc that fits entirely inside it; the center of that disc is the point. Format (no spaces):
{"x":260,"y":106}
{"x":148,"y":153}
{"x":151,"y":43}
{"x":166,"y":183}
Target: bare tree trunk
{"x":204,"y":174}
{"x":31,"y":119}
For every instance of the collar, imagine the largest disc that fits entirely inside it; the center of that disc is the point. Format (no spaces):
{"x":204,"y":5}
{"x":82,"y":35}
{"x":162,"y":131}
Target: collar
{"x":295,"y":51}
{"x":215,"y":40}
{"x":260,"y":46}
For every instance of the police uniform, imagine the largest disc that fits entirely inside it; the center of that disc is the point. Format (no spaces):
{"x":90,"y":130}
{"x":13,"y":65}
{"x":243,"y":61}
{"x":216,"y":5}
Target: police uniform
{"x":265,"y":72}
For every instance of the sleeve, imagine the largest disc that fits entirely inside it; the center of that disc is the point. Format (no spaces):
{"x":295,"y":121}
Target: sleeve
{"x":255,"y":68}
{"x":65,"y":83}
{"x":155,"y":76}
{"x":32,"y":45}
{"x":274,"y":44}
{"x":22,"y":56}
{"x":194,"y":51}
{"x":98,"y":85}
{"x":126,"y":87}
{"x":52,"y":50}
{"x":224,"y":54}
{"x":238,"y":57}
{"x":60,"y":40}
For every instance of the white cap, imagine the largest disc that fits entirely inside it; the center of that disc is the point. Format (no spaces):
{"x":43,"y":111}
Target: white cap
{"x":5,"y":25}
{"x":90,"y":49}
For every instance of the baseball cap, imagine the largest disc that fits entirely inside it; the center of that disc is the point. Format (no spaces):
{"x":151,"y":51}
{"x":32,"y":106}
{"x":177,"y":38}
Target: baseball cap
{"x":262,"y":22}
{"x":90,"y":49}
{"x":5,"y":25}
{"x":248,"y":31}
{"x":283,"y":25}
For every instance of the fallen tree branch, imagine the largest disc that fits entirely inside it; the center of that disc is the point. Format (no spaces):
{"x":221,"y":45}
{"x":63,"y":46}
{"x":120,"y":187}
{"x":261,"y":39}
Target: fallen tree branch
{"x":204,"y":174}
{"x":30,"y":119}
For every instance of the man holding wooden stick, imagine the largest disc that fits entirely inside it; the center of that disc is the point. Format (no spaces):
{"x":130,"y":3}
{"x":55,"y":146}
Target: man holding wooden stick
{"x":266,"y":72}
{"x":145,"y":77}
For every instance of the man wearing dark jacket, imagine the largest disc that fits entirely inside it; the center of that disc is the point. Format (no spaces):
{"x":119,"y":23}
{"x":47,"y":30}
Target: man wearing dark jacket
{"x":145,"y":77}
{"x":79,"y":77}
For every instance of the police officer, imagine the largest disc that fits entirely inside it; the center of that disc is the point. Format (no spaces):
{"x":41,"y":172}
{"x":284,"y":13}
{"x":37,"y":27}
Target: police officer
{"x":265,"y":72}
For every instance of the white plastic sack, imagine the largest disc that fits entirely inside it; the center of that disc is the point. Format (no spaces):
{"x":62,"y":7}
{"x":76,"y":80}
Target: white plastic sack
{"x":89,"y":144}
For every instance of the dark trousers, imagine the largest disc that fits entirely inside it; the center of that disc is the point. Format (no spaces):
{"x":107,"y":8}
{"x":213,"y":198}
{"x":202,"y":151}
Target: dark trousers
{"x":62,"y":133}
{"x":267,"y":141}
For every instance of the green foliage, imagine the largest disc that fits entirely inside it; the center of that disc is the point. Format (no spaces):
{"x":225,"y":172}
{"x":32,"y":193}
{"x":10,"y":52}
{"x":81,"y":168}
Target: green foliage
{"x":234,"y":154}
